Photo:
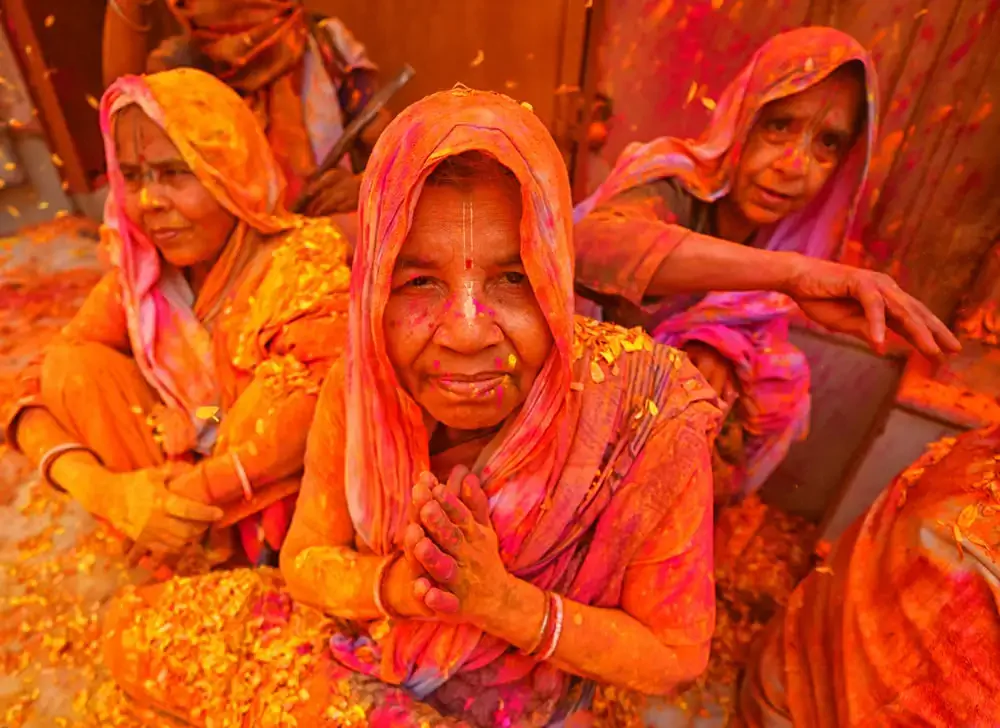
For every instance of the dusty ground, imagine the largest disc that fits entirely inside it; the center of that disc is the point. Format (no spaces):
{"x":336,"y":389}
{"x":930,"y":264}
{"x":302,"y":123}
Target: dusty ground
{"x":58,"y":568}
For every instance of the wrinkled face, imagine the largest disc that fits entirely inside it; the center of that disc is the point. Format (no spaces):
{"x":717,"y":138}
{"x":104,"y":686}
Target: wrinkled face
{"x":163,"y":197}
{"x":463,"y":328}
{"x":795,"y":146}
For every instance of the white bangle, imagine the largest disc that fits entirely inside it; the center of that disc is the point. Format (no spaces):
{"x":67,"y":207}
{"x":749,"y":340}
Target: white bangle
{"x":557,"y":632}
{"x":241,"y":473}
{"x":53,"y":454}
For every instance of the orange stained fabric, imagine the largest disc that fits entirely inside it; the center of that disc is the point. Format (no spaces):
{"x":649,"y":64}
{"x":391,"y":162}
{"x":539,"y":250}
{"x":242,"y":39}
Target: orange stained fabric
{"x":900,"y":627}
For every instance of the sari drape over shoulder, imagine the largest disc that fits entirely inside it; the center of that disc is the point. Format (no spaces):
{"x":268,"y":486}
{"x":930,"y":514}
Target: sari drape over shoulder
{"x":267,"y":323}
{"x":901,"y":627}
{"x":619,"y":247}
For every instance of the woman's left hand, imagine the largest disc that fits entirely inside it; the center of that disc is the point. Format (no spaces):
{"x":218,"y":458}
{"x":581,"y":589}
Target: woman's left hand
{"x":862,"y":303}
{"x":456,"y":545}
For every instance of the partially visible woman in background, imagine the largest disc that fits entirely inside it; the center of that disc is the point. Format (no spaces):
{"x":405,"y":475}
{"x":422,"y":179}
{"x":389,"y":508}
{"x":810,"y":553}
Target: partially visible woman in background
{"x":304,"y":77}
{"x":780,"y":168}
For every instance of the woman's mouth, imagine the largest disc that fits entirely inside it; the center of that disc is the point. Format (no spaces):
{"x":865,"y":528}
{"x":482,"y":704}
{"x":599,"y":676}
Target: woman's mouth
{"x":773,"y":198}
{"x":465,"y":386}
{"x":165,"y":235}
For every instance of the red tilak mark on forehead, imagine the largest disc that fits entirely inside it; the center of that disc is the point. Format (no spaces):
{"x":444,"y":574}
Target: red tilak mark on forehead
{"x":468,"y":263}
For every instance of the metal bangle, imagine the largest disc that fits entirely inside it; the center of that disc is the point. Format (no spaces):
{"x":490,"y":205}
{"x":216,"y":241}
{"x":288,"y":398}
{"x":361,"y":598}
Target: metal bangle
{"x":134,"y":25}
{"x":540,"y":640}
{"x":241,"y":473}
{"x":381,"y":574}
{"x":557,"y":632}
{"x":53,"y":454}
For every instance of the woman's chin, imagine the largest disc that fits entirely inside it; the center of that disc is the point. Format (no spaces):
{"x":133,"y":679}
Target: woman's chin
{"x":475,"y":415}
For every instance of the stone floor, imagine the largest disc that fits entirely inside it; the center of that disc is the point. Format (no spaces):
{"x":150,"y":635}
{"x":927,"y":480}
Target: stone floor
{"x":57,"y":565}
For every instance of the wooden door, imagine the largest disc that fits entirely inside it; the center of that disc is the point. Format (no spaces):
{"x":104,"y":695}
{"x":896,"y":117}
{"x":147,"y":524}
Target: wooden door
{"x":531,"y":50}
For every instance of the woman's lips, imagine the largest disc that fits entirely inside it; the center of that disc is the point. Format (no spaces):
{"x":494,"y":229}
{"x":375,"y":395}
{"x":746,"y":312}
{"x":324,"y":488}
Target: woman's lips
{"x":469,"y":387}
{"x":165,"y":235}
{"x":772,"y":198}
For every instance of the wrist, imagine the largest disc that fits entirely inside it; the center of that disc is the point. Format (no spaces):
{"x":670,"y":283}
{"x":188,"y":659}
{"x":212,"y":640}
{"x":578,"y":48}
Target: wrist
{"x":517,"y":615}
{"x":789,"y":270}
{"x":397,"y":590}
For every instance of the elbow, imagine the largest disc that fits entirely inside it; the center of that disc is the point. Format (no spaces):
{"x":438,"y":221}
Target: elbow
{"x":682,"y":665}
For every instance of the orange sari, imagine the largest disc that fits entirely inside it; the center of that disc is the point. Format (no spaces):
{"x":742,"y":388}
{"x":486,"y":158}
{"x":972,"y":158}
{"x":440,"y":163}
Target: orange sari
{"x":244,"y":360}
{"x":599,"y":486}
{"x":901,"y":626}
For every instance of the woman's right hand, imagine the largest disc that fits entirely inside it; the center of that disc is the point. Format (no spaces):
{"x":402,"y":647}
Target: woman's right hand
{"x":147,"y":512}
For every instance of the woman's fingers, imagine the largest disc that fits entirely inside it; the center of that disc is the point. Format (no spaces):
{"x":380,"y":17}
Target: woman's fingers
{"x":439,"y":566}
{"x":442,"y":601}
{"x":475,"y":499}
{"x":453,"y":506}
{"x":458,"y":474}
{"x":190,"y":510}
{"x":871,"y":300}
{"x":440,"y":528}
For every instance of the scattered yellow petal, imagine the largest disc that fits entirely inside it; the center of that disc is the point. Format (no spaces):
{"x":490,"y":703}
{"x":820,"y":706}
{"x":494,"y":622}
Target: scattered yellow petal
{"x":57,"y":160}
{"x":50,"y":21}
{"x":968,"y":516}
{"x":510,"y":85}
{"x":708,"y":103}
{"x":480,"y":57}
{"x":651,"y":406}
{"x":10,"y":166}
{"x":94,"y":103}
{"x":43,"y":205}
{"x":259,"y":427}
{"x":14,"y":212}
{"x":576,"y":386}
{"x":691,"y":92}
{"x":810,"y":65}
{"x":824,"y":570}
{"x":596,"y":373}
{"x":207,"y":413}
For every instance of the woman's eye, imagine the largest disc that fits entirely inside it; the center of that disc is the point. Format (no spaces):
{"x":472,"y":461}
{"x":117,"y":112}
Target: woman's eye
{"x":514,"y":278}
{"x":777,"y":125}
{"x":830,"y":142}
{"x":419,"y":282}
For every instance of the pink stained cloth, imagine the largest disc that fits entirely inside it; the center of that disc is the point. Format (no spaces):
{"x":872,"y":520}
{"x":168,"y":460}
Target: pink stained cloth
{"x":571,"y":499}
{"x":171,"y":345}
{"x":749,"y":328}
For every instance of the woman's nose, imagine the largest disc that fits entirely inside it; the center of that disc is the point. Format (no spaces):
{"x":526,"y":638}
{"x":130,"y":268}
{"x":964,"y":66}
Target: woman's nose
{"x":151,"y":197}
{"x":794,"y":158}
{"x":468,"y":325}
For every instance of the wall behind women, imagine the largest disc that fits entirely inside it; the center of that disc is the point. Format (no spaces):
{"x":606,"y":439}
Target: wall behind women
{"x":530,"y":50}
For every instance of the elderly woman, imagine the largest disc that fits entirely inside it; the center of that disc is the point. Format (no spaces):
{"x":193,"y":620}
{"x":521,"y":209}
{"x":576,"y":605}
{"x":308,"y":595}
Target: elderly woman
{"x":304,"y":77}
{"x":780,"y":168}
{"x":180,"y":394}
{"x":501,"y":503}
{"x":901,"y":627}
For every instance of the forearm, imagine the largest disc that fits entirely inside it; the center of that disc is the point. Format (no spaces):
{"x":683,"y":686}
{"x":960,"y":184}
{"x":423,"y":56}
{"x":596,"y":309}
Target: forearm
{"x":78,"y":472}
{"x":701,"y":263}
{"x":125,"y":46}
{"x":267,"y":435}
{"x":334,"y":579}
{"x":596,"y":643}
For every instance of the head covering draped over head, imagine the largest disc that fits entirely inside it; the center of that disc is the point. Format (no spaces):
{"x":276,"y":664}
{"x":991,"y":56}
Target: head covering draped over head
{"x":786,"y":64}
{"x":257,"y":47}
{"x":219,"y":139}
